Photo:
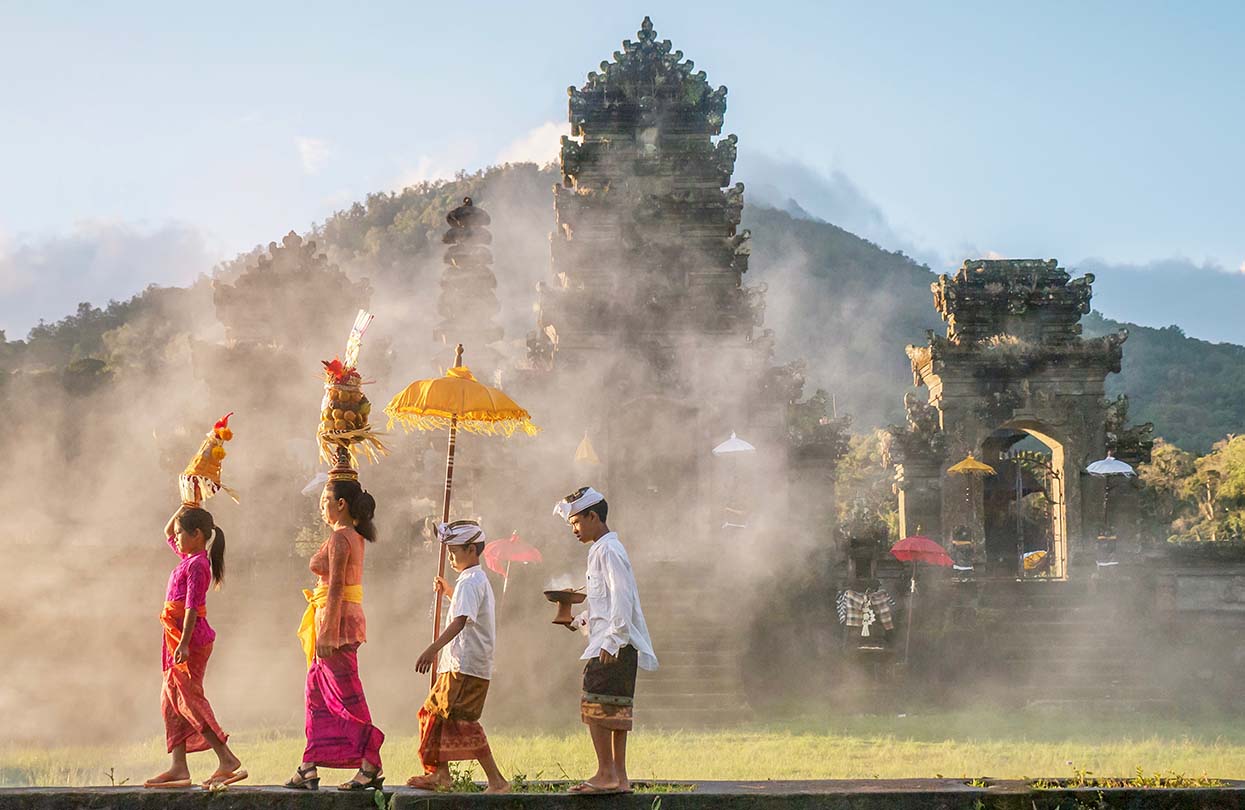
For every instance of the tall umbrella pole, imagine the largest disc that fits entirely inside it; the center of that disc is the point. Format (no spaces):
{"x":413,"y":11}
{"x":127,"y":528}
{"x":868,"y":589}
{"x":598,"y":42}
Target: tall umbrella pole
{"x":907,"y":635}
{"x":445,"y":513}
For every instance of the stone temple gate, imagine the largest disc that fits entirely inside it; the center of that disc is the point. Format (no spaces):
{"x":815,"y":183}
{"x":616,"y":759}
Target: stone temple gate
{"x":1014,"y":384}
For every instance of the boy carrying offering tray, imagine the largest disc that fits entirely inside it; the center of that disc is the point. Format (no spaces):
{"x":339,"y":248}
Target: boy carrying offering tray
{"x":618,"y":640}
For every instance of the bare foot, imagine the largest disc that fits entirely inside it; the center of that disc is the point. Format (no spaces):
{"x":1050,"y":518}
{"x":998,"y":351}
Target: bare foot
{"x":229,"y":764}
{"x":503,"y":787}
{"x":226,"y":768}
{"x":427,"y":781}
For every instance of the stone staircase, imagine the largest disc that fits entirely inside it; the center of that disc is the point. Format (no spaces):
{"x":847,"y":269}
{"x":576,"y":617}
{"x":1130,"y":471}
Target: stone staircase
{"x":700,"y":652}
{"x":1052,"y":644}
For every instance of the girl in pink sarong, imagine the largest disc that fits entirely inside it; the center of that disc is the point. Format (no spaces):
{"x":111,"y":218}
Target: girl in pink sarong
{"x":340,"y":733}
{"x":189,"y":723}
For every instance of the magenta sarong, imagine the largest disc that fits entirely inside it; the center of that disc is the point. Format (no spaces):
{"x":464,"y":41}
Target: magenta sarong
{"x":340,"y":733}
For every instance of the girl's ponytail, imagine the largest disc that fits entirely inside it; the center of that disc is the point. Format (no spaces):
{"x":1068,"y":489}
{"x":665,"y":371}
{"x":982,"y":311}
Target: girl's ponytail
{"x":216,"y":556}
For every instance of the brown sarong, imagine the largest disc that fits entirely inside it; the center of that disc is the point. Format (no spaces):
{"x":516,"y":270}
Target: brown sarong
{"x":609,"y":691}
{"x":449,"y":721}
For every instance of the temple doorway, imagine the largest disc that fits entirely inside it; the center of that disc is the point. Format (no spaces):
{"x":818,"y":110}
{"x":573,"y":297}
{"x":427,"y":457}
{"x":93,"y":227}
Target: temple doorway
{"x":1025,"y":517}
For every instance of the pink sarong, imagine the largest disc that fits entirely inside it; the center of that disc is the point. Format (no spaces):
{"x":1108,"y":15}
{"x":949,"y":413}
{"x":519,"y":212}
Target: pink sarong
{"x":340,"y":733}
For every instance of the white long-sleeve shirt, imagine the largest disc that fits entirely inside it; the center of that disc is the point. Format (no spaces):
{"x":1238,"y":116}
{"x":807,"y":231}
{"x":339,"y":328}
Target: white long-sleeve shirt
{"x":614,"y":618}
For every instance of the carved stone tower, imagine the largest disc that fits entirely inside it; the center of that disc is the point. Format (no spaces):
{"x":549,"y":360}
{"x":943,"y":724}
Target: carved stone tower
{"x":647,"y":308}
{"x":646,"y":333}
{"x":647,"y":248}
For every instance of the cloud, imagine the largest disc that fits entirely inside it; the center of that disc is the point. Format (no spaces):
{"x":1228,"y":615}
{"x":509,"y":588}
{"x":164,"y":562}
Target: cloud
{"x":1202,"y":299}
{"x":46,"y":278}
{"x":12,"y":278}
{"x":1241,"y":269}
{"x":540,"y":146}
{"x":314,"y":153}
{"x":833,"y":197}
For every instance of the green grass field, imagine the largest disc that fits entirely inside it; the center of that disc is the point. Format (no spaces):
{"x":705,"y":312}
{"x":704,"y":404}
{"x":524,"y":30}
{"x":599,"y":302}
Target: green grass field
{"x":952,"y":745}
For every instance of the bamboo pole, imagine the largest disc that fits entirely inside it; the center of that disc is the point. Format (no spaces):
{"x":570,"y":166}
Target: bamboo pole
{"x":445,"y":514}
{"x":907,"y":636}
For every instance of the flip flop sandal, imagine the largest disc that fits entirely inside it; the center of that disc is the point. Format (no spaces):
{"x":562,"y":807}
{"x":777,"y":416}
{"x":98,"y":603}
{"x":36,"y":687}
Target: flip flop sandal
{"x":224,"y":779}
{"x":589,"y":789}
{"x":172,"y":783}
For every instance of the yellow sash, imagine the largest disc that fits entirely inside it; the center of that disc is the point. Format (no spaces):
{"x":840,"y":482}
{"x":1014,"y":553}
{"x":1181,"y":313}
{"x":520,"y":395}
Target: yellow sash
{"x":315,"y":601}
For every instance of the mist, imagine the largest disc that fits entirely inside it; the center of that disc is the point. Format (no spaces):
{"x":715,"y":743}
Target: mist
{"x":96,"y":451}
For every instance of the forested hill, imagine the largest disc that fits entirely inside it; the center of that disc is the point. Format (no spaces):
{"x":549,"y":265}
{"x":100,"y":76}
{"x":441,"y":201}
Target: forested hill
{"x":1193,"y":391}
{"x":845,"y":305}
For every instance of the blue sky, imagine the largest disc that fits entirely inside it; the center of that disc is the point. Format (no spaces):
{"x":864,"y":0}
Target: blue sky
{"x":144,"y":141}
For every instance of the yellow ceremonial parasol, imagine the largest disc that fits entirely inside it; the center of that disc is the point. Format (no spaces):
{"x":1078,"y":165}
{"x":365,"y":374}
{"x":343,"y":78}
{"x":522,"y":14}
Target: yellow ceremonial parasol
{"x":585,"y":454}
{"x":971,"y":468}
{"x":456,"y":401}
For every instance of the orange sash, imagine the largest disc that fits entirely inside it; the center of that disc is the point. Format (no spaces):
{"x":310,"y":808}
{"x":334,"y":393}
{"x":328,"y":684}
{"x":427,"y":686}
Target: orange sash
{"x":172,"y":617}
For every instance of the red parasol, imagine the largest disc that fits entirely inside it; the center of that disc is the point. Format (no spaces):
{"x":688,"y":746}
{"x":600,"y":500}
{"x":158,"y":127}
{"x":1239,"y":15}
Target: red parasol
{"x":918,"y":548}
{"x":509,"y":550}
{"x":915,"y":549}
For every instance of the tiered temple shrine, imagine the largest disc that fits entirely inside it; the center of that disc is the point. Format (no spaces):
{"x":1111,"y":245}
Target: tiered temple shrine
{"x":1014,"y":383}
{"x":648,"y":323}
{"x":647,"y":299}
{"x":468,"y":301}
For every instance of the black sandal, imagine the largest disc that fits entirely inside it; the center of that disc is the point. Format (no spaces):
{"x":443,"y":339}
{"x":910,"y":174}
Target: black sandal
{"x":375,"y":781}
{"x":303,"y":782}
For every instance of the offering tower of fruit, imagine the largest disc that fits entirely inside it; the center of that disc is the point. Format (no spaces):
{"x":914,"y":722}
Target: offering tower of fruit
{"x":201,"y":478}
{"x":345,"y":410}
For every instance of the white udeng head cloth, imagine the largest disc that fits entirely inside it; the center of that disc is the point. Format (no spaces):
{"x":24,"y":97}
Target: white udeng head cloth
{"x":576,"y":502}
{"x":460,"y":533}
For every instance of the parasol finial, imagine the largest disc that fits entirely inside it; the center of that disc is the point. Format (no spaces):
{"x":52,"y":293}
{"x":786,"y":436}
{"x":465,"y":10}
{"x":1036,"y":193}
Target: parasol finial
{"x":458,"y":355}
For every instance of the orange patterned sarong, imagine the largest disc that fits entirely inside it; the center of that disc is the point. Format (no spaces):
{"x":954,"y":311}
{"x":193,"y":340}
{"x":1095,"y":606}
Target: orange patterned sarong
{"x":449,"y":721}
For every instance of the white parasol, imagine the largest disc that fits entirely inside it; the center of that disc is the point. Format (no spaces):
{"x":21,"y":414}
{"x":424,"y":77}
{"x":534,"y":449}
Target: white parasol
{"x":316,"y":483}
{"x":1110,"y":466}
{"x":736,"y":517}
{"x":733,"y":445}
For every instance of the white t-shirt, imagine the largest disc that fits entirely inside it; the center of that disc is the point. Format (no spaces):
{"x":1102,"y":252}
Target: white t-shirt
{"x":471,"y":651}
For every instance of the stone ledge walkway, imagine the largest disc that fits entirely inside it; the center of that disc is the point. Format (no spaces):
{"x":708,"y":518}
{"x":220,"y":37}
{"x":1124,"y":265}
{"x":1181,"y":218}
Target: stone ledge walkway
{"x":869,"y":794}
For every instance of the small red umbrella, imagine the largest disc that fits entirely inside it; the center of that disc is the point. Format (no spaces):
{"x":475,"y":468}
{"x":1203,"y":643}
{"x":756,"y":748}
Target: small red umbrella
{"x":919,"y":548}
{"x":509,"y":550}
{"x":915,"y":549}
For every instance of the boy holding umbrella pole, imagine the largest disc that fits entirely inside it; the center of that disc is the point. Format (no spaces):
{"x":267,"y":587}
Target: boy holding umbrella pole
{"x":449,"y":721}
